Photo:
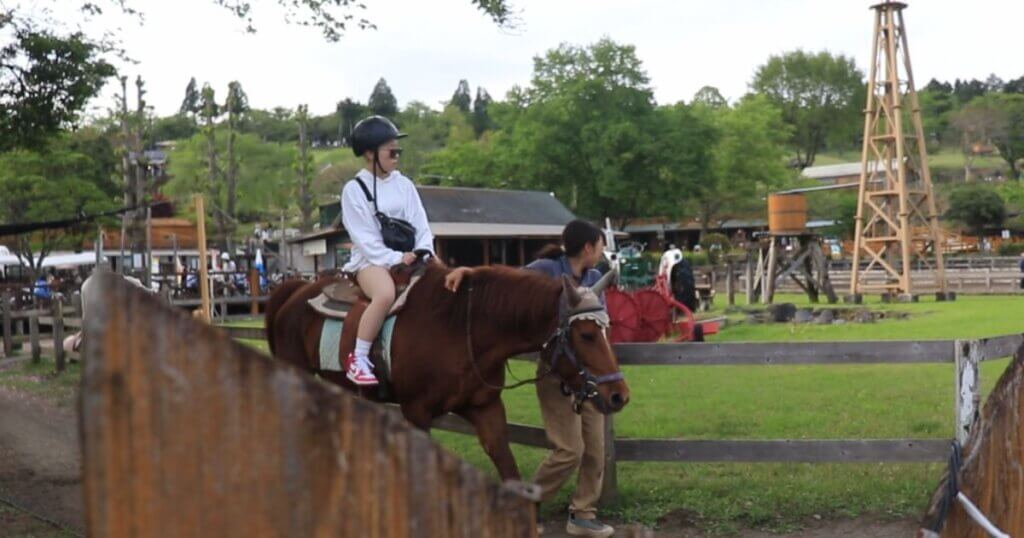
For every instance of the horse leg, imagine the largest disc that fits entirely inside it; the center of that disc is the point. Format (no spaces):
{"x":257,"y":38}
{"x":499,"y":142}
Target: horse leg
{"x":418,"y":416}
{"x":492,"y":430}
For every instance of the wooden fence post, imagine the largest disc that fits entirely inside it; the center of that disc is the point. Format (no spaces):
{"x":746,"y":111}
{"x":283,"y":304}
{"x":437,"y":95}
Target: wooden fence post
{"x":254,"y":292}
{"x":5,"y":326}
{"x":76,"y":304}
{"x":730,"y":287}
{"x":33,"y":332}
{"x":748,"y":284}
{"x":58,"y":334}
{"x":968,"y":393}
{"x":610,"y":484}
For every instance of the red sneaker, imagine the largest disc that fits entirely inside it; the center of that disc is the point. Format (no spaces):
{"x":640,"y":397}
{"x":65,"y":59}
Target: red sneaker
{"x":359,"y":372}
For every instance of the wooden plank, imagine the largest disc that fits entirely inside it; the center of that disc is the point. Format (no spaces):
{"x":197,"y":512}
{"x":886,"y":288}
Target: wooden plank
{"x":967,"y":396}
{"x":610,"y":483}
{"x":187,"y":433}
{"x":74,"y":323}
{"x":1000,"y":346}
{"x":33,"y":332}
{"x":785,"y":451}
{"x":26,"y":314}
{"x":6,"y":327}
{"x":877,"y":352}
{"x":239,"y":300}
{"x":58,"y":335}
{"x":248,"y":333}
{"x":520,"y":434}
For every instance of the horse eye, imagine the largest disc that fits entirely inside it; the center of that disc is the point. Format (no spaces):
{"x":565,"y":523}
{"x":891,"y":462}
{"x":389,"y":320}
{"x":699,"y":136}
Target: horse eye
{"x":589,"y":337}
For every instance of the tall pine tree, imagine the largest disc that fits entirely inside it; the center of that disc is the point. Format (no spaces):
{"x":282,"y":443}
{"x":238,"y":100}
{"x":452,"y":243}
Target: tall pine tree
{"x":461,"y":99}
{"x":382,"y":101}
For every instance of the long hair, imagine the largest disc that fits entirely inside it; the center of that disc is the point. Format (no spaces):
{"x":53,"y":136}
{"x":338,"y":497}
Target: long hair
{"x":575,"y":236}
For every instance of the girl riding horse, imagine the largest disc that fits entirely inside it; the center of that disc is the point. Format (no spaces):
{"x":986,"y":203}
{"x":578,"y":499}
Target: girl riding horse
{"x":385,"y":227}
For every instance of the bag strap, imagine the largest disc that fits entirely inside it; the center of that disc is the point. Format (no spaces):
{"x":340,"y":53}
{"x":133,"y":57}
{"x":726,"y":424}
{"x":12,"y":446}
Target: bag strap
{"x":367,"y":192}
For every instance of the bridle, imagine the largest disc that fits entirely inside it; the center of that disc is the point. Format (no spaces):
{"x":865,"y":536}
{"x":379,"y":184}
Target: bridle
{"x":559,"y":345}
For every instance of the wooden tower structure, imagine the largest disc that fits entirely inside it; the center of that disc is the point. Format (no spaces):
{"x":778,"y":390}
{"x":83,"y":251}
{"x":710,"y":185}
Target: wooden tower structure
{"x":896,"y":216}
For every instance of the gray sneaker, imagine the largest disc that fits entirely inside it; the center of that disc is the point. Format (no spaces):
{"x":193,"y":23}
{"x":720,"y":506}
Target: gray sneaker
{"x":587,"y":527}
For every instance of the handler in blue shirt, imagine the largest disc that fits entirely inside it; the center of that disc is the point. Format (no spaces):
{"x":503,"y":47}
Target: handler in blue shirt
{"x":577,"y":438}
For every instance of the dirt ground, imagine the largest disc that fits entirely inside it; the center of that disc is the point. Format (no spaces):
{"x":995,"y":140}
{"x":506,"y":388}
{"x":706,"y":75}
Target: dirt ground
{"x":39,"y":467}
{"x":40,"y":473}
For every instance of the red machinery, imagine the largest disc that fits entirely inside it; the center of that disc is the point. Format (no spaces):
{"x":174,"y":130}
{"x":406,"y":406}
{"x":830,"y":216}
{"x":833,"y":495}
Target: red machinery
{"x":647,"y":314}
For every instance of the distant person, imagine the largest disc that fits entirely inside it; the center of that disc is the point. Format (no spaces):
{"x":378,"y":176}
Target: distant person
{"x":41,"y":288}
{"x":1022,"y":270}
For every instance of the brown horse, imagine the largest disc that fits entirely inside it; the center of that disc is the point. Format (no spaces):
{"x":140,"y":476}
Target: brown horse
{"x":449,"y":350}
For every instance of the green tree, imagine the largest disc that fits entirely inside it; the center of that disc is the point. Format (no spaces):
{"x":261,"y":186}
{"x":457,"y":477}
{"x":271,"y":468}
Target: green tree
{"x":936,"y":109}
{"x":820,"y":96}
{"x":174,"y":127}
{"x":53,"y":183}
{"x":977,"y":207}
{"x":267,"y":179}
{"x":461,"y":99}
{"x":709,"y":96}
{"x":276,"y":125}
{"x":747,"y":159}
{"x":1008,"y":134}
{"x":304,"y":170}
{"x":349,"y":112}
{"x":481,"y":119}
{"x":235,"y":105}
{"x":190,"y":103}
{"x":46,"y":80}
{"x":587,"y":130}
{"x":382,"y":101}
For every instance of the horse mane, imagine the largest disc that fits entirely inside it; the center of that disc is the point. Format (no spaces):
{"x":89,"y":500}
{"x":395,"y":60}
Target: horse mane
{"x":524,"y":300}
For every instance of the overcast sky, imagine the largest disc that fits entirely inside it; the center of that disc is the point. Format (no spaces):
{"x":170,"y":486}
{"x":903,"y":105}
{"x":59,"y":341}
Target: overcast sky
{"x":423,"y":47}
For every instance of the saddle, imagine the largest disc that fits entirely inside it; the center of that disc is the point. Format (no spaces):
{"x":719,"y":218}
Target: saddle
{"x":336,"y":300}
{"x":346,"y":302}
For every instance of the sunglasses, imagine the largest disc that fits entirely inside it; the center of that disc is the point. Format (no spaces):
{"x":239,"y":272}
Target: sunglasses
{"x":394,"y":153}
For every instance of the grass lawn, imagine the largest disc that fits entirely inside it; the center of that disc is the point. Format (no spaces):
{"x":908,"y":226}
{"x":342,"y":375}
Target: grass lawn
{"x":785,"y":402}
{"x":41,"y":379}
{"x":946,"y":158}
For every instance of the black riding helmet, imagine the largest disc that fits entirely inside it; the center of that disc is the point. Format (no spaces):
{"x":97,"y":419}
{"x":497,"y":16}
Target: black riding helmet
{"x":371,"y":132}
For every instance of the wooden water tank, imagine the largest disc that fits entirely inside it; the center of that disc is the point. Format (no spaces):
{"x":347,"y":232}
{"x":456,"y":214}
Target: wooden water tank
{"x":787,"y":213}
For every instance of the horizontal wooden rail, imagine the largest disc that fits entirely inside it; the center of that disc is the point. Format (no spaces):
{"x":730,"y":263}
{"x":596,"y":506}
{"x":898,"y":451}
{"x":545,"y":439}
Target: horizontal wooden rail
{"x":876,"y":352}
{"x":775,"y":353}
{"x":783,"y":451}
{"x":750,"y":451}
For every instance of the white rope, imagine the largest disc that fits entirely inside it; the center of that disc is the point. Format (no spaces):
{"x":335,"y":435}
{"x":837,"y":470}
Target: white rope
{"x":980,"y":518}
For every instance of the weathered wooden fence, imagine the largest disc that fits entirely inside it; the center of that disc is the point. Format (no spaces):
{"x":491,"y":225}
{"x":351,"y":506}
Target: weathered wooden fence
{"x":188,"y":433}
{"x":58,"y":316}
{"x":964,"y":355}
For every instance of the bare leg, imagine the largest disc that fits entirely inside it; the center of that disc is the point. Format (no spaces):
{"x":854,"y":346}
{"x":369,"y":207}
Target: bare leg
{"x":376,"y":283}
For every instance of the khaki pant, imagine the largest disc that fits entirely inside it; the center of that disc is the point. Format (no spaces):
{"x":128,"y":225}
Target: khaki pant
{"x":579,"y":444}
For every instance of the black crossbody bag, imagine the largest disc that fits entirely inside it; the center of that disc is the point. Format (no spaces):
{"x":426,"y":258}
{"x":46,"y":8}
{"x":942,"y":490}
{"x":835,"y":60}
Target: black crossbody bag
{"x":397,"y":234}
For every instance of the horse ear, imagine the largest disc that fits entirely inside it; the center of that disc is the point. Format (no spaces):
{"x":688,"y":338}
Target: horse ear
{"x":609,"y":278}
{"x":569,"y":290}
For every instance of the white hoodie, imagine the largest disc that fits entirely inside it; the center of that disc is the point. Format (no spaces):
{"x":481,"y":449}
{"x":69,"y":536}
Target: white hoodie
{"x":396,"y":198}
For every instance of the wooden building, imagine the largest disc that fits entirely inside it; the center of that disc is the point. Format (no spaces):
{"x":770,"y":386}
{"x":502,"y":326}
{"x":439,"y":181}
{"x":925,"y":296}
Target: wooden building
{"x":471,"y":226}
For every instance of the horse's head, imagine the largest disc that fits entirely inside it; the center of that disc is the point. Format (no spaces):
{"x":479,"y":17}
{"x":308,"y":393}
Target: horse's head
{"x":579,"y":352}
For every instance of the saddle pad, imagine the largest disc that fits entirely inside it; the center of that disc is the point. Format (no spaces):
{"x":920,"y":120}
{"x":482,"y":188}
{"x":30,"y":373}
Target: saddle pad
{"x":330,"y":342}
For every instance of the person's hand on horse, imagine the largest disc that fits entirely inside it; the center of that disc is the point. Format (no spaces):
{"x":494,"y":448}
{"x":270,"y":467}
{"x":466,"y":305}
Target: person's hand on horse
{"x":454,"y":278}
{"x":408,"y":258}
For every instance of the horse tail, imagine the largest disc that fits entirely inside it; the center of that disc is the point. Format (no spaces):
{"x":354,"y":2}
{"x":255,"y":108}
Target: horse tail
{"x":277,"y":299}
